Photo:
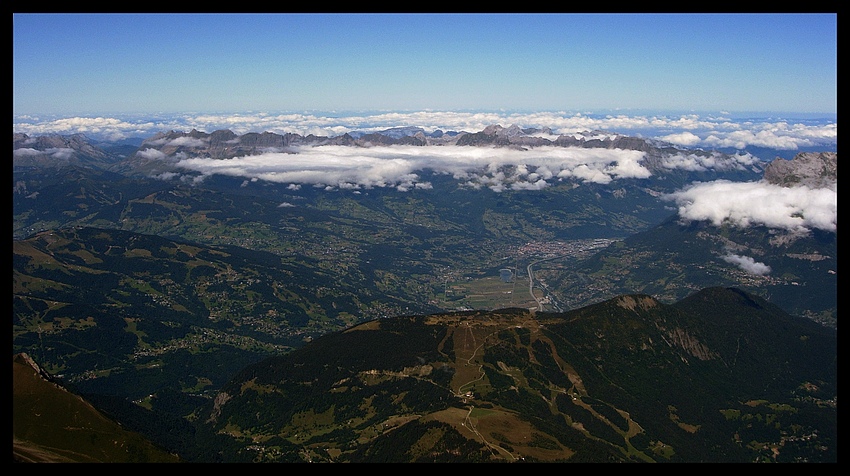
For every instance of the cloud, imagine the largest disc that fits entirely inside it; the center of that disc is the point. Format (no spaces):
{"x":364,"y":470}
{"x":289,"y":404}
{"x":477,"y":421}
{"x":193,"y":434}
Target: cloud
{"x":168,"y":176}
{"x":187,"y":141}
{"x":107,"y":128}
{"x":150,"y":154}
{"x":402,"y":166}
{"x":747,"y":264}
{"x":184,"y":141}
{"x":703,"y":162}
{"x":686,"y":138}
{"x":690,"y":130}
{"x":26,"y":152}
{"x":741,"y":139}
{"x":63,"y":153}
{"x":796,"y":209}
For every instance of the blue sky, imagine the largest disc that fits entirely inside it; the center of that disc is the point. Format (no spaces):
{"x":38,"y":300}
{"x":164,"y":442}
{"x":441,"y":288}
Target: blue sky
{"x":77,"y":64}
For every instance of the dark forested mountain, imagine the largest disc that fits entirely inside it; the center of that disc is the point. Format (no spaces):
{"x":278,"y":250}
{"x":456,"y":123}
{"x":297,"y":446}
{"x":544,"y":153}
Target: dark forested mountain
{"x":719,"y":376}
{"x":183,"y":303}
{"x":128,"y":314}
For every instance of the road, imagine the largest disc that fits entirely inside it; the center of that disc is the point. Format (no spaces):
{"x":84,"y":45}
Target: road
{"x":531,"y":286}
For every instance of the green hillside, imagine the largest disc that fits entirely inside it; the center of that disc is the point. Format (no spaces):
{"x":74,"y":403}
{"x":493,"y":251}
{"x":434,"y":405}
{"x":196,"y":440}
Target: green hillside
{"x":673,"y":260}
{"x":630,"y":379}
{"x":121,"y":313}
{"x":52,"y":425}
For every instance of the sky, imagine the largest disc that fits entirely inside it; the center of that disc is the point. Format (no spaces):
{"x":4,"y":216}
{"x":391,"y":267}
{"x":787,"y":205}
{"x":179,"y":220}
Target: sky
{"x":693,"y":80}
{"x":84,"y":64}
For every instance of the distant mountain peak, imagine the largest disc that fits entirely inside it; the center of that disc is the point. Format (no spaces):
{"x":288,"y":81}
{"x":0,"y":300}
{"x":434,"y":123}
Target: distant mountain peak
{"x":812,"y":169}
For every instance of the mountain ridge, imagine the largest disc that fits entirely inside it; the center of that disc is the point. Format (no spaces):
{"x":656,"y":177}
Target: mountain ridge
{"x":629,"y":379}
{"x":223,"y":144}
{"x":635,"y":364}
{"x":52,"y":424}
{"x":815,"y":170}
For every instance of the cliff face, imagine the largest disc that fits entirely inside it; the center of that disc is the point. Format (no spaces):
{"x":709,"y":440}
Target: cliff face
{"x":812,"y":169}
{"x":56,"y":151}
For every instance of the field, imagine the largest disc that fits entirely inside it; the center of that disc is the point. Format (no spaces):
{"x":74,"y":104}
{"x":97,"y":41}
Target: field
{"x":490,"y":292}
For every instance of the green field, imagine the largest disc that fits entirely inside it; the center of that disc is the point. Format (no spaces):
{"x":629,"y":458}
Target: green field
{"x":487,"y":293}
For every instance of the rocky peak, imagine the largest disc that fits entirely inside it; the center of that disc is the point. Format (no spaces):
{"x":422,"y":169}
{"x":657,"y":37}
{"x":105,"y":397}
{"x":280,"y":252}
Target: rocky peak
{"x":492,"y":130}
{"x":812,"y":169}
{"x":54,"y":150}
{"x":513,"y":131}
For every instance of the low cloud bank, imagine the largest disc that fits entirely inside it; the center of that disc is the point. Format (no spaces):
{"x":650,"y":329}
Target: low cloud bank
{"x":748,"y":264}
{"x":56,"y":152}
{"x":689,"y":130}
{"x":401,"y":166}
{"x":796,"y":209}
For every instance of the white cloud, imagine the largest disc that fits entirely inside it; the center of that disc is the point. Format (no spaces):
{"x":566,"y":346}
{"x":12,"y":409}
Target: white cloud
{"x":702,"y":162}
{"x":749,"y":203}
{"x":401,"y":166}
{"x":63,"y":153}
{"x":187,"y":141}
{"x":26,"y":152}
{"x":686,"y":138}
{"x":168,"y":176}
{"x":747,"y":264}
{"x":150,"y":154}
{"x":689,"y":130}
{"x":108,"y":128}
{"x":741,"y":139}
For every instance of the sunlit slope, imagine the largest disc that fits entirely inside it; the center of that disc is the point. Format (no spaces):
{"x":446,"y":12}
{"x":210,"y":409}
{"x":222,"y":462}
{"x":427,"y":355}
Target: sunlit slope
{"x":50,"y":424}
{"x":629,"y":379}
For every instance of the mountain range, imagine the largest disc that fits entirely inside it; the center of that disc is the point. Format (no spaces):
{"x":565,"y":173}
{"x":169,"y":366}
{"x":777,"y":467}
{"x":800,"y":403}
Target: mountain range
{"x":154,"y":291}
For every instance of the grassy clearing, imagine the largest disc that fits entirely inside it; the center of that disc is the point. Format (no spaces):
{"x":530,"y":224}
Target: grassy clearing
{"x":487,"y":293}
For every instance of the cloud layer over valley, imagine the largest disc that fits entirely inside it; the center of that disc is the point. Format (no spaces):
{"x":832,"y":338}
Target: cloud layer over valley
{"x":687,"y":129}
{"x":407,"y":168}
{"x":400,"y":166}
{"x":795,"y":209}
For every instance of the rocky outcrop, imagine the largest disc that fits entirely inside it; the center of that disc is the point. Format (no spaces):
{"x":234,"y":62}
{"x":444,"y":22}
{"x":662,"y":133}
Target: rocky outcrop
{"x":812,"y":169}
{"x":56,"y":151}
